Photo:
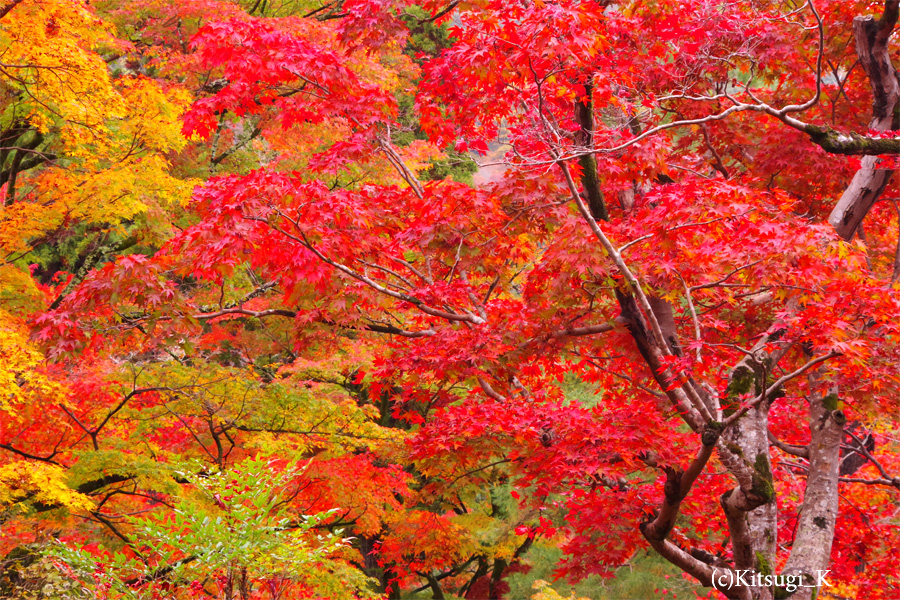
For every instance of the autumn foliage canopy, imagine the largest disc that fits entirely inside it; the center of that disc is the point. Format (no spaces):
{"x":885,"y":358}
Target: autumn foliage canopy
{"x":378,"y":298}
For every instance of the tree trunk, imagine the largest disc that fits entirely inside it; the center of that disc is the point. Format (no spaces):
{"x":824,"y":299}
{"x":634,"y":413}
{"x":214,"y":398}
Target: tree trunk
{"x":584,"y":139}
{"x":811,"y":552}
{"x":869,"y":182}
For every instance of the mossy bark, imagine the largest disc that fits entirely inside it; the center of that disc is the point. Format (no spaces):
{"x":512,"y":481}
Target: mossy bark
{"x":584,"y":138}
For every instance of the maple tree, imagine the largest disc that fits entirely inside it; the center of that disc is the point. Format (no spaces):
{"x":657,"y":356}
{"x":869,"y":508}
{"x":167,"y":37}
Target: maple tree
{"x":665,"y":317}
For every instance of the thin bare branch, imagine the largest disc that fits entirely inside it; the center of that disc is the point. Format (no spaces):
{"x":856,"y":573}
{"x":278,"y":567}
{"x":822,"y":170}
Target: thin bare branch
{"x":775,"y":386}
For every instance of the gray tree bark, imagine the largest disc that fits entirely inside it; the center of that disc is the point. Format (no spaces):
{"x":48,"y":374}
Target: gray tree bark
{"x":869,"y":182}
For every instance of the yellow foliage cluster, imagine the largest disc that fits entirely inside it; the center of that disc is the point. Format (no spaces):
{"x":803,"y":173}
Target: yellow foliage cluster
{"x":110,"y":136}
{"x":50,"y":59}
{"x":39,"y":483}
{"x":545,"y":592}
{"x":21,"y":379}
{"x":18,"y":292}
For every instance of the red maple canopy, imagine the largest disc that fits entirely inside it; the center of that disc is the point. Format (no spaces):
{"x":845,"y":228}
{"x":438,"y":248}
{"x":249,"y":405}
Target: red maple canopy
{"x":664,"y":317}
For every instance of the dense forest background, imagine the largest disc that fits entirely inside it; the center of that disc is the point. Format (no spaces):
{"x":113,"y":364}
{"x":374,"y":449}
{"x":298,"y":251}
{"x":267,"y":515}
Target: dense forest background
{"x":448,"y":299}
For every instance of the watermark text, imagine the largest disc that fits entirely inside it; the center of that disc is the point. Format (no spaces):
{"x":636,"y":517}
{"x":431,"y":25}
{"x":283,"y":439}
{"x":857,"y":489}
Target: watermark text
{"x":727,"y":579}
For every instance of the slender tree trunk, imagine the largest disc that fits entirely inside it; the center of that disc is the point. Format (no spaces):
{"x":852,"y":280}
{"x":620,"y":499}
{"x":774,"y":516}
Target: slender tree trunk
{"x":811,"y":553}
{"x":584,"y":139}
